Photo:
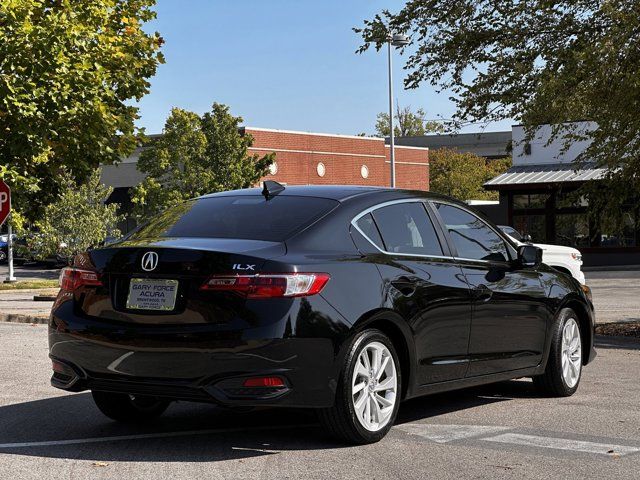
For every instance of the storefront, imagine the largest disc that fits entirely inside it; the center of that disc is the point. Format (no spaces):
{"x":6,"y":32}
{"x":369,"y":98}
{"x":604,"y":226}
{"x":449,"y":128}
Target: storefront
{"x":540,"y":197}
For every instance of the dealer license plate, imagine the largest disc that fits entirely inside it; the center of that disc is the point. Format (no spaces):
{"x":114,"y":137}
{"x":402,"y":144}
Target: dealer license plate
{"x":152,"y":294}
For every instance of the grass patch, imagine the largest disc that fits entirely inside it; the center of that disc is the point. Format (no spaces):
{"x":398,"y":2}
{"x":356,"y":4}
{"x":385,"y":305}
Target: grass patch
{"x":29,"y":284}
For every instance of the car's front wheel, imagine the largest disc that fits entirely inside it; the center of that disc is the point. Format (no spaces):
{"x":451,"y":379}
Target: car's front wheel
{"x":129,"y":408}
{"x":368,"y":393}
{"x":564,"y":367}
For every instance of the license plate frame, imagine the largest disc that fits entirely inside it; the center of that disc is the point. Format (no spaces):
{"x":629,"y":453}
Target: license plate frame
{"x":152,"y":294}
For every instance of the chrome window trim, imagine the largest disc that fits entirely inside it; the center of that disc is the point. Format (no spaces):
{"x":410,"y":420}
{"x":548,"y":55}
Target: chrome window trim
{"x":354,"y":223}
{"x":498,"y":232}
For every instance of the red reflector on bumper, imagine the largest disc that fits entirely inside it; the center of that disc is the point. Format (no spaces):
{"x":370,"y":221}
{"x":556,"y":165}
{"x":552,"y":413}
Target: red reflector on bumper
{"x":264,"y":382}
{"x":59,"y":367}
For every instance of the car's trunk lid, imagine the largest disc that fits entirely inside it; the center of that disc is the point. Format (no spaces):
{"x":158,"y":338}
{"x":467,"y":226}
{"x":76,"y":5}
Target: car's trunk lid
{"x":157,"y":281}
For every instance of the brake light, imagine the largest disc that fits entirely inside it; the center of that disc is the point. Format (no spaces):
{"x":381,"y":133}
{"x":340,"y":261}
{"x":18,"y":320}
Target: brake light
{"x":73,"y":278}
{"x":269,"y":285}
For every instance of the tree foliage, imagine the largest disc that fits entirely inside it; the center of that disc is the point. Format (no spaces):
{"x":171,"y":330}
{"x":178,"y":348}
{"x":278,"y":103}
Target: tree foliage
{"x":76,"y":220}
{"x":407,"y":123}
{"x":462,"y":175}
{"x":196,"y":155}
{"x":536,"y":62}
{"x":69,"y":70}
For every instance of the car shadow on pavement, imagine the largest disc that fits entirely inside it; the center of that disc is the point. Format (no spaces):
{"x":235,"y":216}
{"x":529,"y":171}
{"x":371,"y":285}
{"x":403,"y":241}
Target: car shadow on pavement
{"x":439,"y":404}
{"x":31,"y":272}
{"x":624,"y":343}
{"x":211,"y":433}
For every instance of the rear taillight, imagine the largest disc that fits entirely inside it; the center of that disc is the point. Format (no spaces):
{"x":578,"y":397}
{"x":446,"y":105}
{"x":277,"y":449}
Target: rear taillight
{"x":269,"y":285}
{"x":73,"y":278}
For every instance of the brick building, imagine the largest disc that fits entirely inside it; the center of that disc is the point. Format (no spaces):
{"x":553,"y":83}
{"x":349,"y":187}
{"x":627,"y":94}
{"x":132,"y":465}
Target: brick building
{"x":317,"y":159}
{"x":304,"y":159}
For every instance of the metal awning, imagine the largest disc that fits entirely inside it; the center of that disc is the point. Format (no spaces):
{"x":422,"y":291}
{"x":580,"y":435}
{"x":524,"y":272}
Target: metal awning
{"x":544,"y":174}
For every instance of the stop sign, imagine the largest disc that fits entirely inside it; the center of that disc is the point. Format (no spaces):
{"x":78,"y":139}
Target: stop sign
{"x":5,"y":201}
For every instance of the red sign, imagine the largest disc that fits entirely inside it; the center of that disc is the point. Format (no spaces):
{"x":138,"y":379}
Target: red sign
{"x":5,"y":201}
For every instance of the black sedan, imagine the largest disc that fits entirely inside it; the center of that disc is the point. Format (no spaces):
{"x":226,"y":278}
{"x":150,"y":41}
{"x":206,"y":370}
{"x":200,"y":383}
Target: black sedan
{"x":342,"y":299}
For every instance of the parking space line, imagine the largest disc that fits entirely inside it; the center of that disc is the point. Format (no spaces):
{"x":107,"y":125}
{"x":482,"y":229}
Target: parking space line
{"x":143,"y":436}
{"x":563,"y":444}
{"x":448,"y":433}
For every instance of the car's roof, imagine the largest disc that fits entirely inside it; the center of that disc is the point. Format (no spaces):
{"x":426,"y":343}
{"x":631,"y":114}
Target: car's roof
{"x":334,"y":192}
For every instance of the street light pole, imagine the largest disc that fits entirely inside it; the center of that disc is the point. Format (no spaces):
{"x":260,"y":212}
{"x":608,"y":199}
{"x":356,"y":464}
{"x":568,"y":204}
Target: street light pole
{"x":396,"y":40}
{"x":11,"y":277}
{"x":391,"y":139}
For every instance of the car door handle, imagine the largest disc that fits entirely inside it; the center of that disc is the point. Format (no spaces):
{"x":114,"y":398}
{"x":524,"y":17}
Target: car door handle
{"x":405,"y":286}
{"x":482,"y":293}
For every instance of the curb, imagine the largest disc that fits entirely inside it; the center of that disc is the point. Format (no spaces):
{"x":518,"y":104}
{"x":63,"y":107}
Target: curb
{"x":44,"y":298}
{"x":20,"y":318}
{"x":611,"y":268}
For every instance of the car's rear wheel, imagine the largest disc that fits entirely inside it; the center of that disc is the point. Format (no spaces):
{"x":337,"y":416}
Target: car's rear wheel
{"x":368,"y":393}
{"x":564,"y":367}
{"x":127,"y":408}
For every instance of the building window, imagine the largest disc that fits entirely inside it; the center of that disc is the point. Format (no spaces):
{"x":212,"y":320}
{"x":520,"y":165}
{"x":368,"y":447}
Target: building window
{"x":321,"y":169}
{"x":532,"y":225}
{"x":571,"y":200}
{"x":533,"y":200}
{"x":624,"y":237}
{"x":273,"y":168}
{"x":572,"y":229}
{"x":364,"y":171}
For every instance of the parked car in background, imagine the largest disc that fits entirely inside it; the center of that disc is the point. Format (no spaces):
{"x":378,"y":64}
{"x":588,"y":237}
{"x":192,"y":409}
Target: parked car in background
{"x":4,"y":248}
{"x":565,"y":259}
{"x":18,"y":258}
{"x":343,"y":299}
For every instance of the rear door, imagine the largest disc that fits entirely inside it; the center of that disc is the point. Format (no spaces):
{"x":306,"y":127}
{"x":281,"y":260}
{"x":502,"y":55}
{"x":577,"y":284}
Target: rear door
{"x":424,"y":285}
{"x":509,"y":317}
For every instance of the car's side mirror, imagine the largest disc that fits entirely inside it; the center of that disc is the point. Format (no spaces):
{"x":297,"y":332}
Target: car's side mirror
{"x":529,"y":256}
{"x":527,"y":238}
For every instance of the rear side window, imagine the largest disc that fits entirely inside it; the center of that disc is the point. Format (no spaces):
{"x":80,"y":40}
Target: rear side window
{"x":245,"y":217}
{"x":406,"y":228}
{"x":368,"y":227}
{"x":472,"y":237}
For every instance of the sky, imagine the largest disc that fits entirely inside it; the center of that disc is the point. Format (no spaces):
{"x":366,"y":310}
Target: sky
{"x":283,"y":64}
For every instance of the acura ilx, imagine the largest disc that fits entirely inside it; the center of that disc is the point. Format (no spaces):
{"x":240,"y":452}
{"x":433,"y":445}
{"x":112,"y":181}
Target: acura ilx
{"x":344,"y":299}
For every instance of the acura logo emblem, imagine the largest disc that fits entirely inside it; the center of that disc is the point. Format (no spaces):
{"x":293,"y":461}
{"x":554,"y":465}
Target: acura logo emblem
{"x":149,"y":261}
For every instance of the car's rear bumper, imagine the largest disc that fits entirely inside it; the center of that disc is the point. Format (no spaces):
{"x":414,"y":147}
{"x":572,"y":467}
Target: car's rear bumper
{"x":198,"y":363}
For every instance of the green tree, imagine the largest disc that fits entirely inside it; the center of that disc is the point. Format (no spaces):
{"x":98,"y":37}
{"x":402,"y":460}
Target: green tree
{"x":462,"y":175}
{"x":407,"y":123}
{"x":69,"y":70}
{"x":536,"y":62}
{"x":196,"y":155}
{"x":76,"y":220}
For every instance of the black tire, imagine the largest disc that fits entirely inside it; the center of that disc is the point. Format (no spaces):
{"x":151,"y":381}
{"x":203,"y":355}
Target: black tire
{"x":129,"y":408}
{"x":552,"y":382}
{"x":340,"y":420}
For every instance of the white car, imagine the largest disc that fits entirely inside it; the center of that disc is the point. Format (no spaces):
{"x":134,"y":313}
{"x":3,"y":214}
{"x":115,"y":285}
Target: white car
{"x":564,"y":259}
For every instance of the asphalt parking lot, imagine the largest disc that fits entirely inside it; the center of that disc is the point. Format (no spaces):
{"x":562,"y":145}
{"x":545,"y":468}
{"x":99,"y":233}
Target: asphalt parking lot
{"x":500,"y":431}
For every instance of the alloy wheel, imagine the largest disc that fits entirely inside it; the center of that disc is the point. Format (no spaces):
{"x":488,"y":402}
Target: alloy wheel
{"x":571,"y":353}
{"x":374,"y":386}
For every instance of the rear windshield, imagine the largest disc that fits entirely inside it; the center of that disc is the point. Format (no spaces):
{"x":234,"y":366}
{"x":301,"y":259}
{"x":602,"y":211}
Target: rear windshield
{"x":246,"y":217}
